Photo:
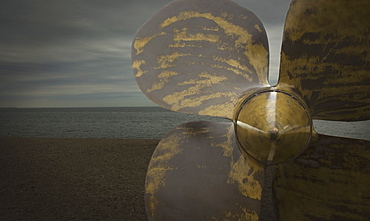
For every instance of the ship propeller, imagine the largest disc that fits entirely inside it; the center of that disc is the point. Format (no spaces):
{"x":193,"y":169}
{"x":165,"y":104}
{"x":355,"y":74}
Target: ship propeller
{"x":210,"y":57}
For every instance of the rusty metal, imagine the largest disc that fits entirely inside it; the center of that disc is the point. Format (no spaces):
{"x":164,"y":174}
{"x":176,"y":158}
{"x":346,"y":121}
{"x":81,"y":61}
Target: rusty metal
{"x":210,"y":57}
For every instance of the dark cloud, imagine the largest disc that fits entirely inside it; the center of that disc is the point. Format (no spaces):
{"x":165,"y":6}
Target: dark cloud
{"x":56,"y":53}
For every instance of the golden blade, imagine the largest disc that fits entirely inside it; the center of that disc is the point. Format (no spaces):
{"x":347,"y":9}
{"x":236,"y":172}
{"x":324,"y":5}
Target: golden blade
{"x":328,"y":182}
{"x":325,"y":56}
{"x":200,"y":56}
{"x":198,"y":173}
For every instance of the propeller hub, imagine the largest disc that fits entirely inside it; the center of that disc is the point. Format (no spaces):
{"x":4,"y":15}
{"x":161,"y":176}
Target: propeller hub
{"x":273,"y":126}
{"x":274,"y":134}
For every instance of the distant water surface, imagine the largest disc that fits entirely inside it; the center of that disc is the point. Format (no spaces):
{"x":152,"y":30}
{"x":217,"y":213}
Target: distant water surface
{"x":125,"y":122}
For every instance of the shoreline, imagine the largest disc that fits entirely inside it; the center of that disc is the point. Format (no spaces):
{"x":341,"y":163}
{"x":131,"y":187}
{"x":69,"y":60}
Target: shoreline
{"x":77,"y":179}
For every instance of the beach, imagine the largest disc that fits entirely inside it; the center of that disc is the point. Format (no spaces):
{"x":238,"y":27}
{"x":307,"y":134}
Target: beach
{"x":73,"y":178}
{"x":76,"y":179}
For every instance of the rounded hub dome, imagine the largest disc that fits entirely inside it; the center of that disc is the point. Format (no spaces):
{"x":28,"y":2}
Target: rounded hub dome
{"x":273,"y":126}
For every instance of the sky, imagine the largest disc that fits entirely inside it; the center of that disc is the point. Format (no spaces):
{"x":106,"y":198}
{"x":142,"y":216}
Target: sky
{"x":76,"y":53}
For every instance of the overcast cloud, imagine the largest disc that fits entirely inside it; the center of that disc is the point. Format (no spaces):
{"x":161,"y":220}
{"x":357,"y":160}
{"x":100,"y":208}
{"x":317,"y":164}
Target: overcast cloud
{"x":76,"y":53}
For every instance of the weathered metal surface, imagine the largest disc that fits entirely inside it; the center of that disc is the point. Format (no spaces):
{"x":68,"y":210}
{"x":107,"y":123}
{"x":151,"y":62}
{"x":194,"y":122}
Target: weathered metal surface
{"x":325,"y":57}
{"x":210,"y":57}
{"x":198,"y":173}
{"x":328,"y":182}
{"x":273,"y":126}
{"x":200,"y":56}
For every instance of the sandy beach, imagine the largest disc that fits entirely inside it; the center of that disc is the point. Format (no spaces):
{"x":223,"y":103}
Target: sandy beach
{"x":75,"y":179}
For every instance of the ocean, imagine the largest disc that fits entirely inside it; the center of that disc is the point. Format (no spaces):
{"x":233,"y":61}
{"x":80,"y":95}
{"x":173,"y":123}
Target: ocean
{"x":126,"y":122}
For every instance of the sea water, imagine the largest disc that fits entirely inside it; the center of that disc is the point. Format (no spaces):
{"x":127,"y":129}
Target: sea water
{"x":126,"y":122}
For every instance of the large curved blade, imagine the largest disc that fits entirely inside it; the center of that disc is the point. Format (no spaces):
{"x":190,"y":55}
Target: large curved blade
{"x":199,"y":56}
{"x":329,"y":182}
{"x":325,"y":56}
{"x":198,"y":173}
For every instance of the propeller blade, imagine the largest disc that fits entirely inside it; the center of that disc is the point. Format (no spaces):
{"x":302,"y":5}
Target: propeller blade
{"x":198,"y":173}
{"x":200,"y":56}
{"x":325,"y":56}
{"x":328,"y":182}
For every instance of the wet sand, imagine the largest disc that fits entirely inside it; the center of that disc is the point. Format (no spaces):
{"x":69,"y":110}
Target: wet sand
{"x":74,"y":179}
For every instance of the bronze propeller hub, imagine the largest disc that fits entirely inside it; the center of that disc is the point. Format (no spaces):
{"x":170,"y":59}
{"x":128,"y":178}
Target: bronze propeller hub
{"x":273,"y":126}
